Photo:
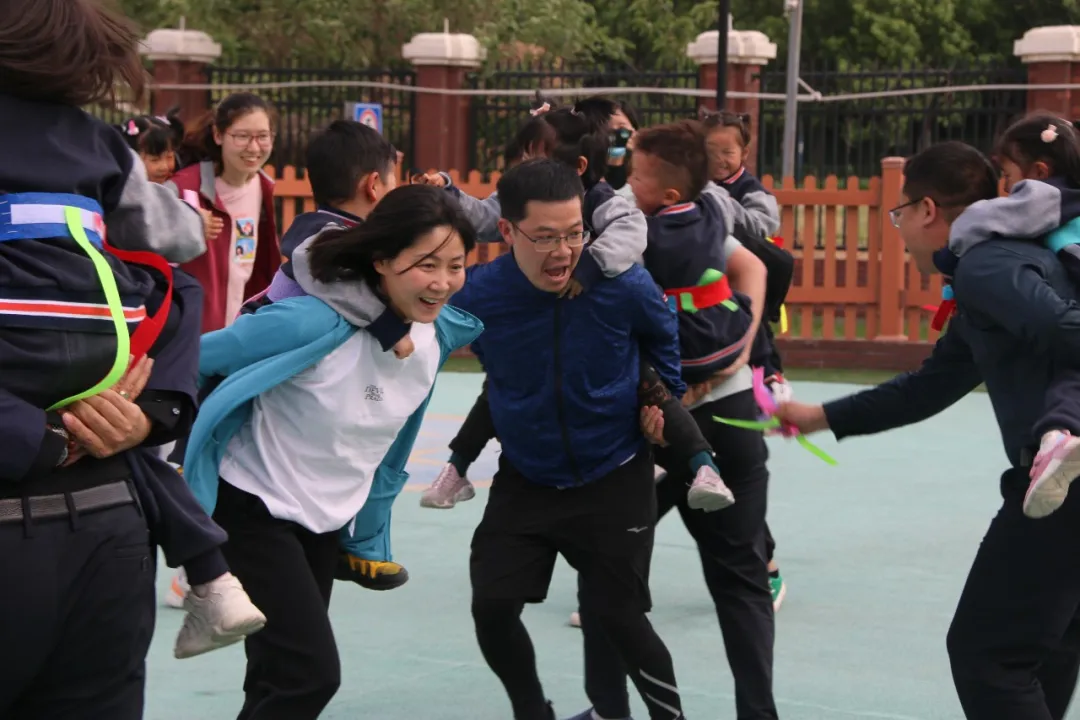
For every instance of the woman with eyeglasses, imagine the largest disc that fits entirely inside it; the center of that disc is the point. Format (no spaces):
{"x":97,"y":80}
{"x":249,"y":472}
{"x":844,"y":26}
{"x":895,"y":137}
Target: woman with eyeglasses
{"x":225,"y":153}
{"x":223,"y":158}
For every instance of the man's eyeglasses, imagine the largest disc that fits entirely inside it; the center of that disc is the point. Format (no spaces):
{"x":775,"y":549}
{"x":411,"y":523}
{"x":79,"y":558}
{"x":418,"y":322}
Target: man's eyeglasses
{"x":548,"y":243}
{"x":894,"y":214}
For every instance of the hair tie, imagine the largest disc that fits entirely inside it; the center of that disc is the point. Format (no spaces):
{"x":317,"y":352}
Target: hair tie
{"x":1050,"y":134}
{"x":132,"y":128}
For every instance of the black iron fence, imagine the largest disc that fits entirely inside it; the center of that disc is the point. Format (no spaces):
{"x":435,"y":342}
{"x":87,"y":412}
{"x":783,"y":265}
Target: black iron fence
{"x":306,"y":109}
{"x":495,"y":118}
{"x":851,"y":136}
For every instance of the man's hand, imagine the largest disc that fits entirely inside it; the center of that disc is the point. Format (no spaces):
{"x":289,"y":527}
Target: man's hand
{"x":652,"y":424}
{"x":135,"y":379}
{"x":807,"y":418}
{"x":106,"y":424}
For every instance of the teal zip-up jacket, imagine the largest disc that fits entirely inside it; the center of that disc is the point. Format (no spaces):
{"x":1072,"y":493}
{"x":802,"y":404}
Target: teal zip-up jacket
{"x":264,"y":349}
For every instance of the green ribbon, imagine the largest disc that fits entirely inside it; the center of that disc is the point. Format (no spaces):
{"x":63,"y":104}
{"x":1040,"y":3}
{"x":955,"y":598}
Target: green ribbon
{"x":772,"y":423}
{"x":112,"y":299}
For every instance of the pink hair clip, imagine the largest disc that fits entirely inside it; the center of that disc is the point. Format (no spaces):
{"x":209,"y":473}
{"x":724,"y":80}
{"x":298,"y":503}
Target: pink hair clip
{"x":540,"y":110}
{"x":132,"y":128}
{"x":1050,"y":134}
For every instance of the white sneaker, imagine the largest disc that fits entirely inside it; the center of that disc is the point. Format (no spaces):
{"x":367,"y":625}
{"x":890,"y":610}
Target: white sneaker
{"x":178,"y":590}
{"x":1056,"y":465}
{"x":708,"y":492}
{"x":448,"y":490}
{"x":223,"y":615}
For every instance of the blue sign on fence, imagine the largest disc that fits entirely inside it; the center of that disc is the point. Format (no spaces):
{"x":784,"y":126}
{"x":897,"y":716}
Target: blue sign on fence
{"x":369,"y":114}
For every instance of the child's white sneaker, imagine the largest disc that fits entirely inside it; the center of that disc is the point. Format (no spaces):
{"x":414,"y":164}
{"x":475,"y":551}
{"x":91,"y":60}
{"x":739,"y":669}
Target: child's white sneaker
{"x":1056,"y":465}
{"x":220,"y":613}
{"x":708,"y":492}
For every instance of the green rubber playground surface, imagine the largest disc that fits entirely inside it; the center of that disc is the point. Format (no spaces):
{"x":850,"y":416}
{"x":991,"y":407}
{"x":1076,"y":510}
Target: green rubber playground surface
{"x":874,"y":552}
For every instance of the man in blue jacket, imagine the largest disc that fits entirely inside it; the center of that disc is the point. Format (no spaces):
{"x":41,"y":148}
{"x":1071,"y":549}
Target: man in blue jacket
{"x":575,"y":475}
{"x":1013,"y":641}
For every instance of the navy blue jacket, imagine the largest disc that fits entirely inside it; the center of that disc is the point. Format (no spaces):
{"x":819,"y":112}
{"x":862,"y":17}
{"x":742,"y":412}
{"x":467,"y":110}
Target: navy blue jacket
{"x":28,"y":452}
{"x":562,"y":374}
{"x":1017,"y":322}
{"x":685,"y":241}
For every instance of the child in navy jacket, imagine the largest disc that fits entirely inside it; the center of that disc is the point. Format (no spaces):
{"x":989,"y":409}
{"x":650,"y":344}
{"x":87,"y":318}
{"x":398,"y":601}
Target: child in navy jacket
{"x":84,"y":282}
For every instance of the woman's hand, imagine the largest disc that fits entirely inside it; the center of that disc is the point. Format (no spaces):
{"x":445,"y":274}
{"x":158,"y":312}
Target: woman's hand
{"x":106,"y":424}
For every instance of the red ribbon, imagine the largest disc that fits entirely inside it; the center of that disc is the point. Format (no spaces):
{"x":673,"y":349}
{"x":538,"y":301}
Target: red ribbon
{"x":944,"y":311}
{"x":148,"y":331}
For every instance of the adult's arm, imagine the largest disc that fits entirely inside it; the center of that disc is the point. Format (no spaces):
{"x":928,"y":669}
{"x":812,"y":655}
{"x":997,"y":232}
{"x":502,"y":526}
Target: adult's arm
{"x":946,"y":376}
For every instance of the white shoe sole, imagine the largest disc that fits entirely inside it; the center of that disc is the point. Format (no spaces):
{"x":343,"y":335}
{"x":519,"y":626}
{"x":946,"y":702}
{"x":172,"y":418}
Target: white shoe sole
{"x":1048,"y":494}
{"x":700,"y":498}
{"x":224,"y":638}
{"x":463,"y":495}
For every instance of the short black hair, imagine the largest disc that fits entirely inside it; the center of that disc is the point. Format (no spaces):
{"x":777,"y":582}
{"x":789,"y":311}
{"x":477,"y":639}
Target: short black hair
{"x":537,"y":180}
{"x":340,"y":155}
{"x":680,"y":147}
{"x":952,"y":174}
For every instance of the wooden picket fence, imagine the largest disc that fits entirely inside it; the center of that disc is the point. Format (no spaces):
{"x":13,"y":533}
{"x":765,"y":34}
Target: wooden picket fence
{"x":853,"y":278}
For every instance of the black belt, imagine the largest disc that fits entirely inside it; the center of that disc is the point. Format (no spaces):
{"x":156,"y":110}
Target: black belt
{"x":44,"y":507}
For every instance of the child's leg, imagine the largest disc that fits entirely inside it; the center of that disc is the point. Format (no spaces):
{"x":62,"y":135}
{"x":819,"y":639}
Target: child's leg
{"x":1057,"y":463}
{"x":708,"y":491}
{"x":219,"y":611}
{"x":366,"y":558}
{"x":451,"y":486}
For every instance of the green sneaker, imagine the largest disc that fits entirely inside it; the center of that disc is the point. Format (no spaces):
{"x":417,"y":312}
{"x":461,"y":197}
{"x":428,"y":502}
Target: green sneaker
{"x":779,"y":590}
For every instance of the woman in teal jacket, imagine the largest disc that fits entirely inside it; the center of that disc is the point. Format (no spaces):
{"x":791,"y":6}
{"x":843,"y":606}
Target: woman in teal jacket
{"x":304,"y":442}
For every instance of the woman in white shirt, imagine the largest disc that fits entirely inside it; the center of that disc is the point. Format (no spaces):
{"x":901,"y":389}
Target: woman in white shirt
{"x":313,"y":416}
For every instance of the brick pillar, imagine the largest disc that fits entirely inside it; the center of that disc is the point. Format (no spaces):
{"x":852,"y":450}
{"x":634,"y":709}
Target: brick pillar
{"x":748,"y":52}
{"x":180,"y":57}
{"x":441,"y":122}
{"x":1052,"y":55}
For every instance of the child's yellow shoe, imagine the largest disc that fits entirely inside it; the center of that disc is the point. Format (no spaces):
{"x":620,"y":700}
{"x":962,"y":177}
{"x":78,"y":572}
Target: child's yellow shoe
{"x":371,"y":574}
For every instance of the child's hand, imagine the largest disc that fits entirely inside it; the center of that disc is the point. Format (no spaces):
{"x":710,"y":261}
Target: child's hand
{"x":652,"y":425}
{"x":435,"y":179}
{"x":212,"y":224}
{"x":404,"y":348}
{"x":572,"y":290}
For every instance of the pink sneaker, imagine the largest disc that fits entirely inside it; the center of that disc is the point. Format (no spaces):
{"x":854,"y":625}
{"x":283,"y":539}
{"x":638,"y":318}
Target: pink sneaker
{"x":1057,"y":464}
{"x":448,"y":490}
{"x":708,"y":492}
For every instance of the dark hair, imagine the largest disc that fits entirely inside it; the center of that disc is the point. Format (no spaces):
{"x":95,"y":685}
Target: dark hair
{"x":712,"y":120}
{"x":75,"y":52}
{"x":566,"y":135}
{"x":406,"y":213}
{"x":599,"y":110}
{"x":1024,"y":144}
{"x":152,"y":134}
{"x":342,"y":154}
{"x":536,"y":180}
{"x":952,"y":174}
{"x":199,"y":143}
{"x":680,"y":147}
